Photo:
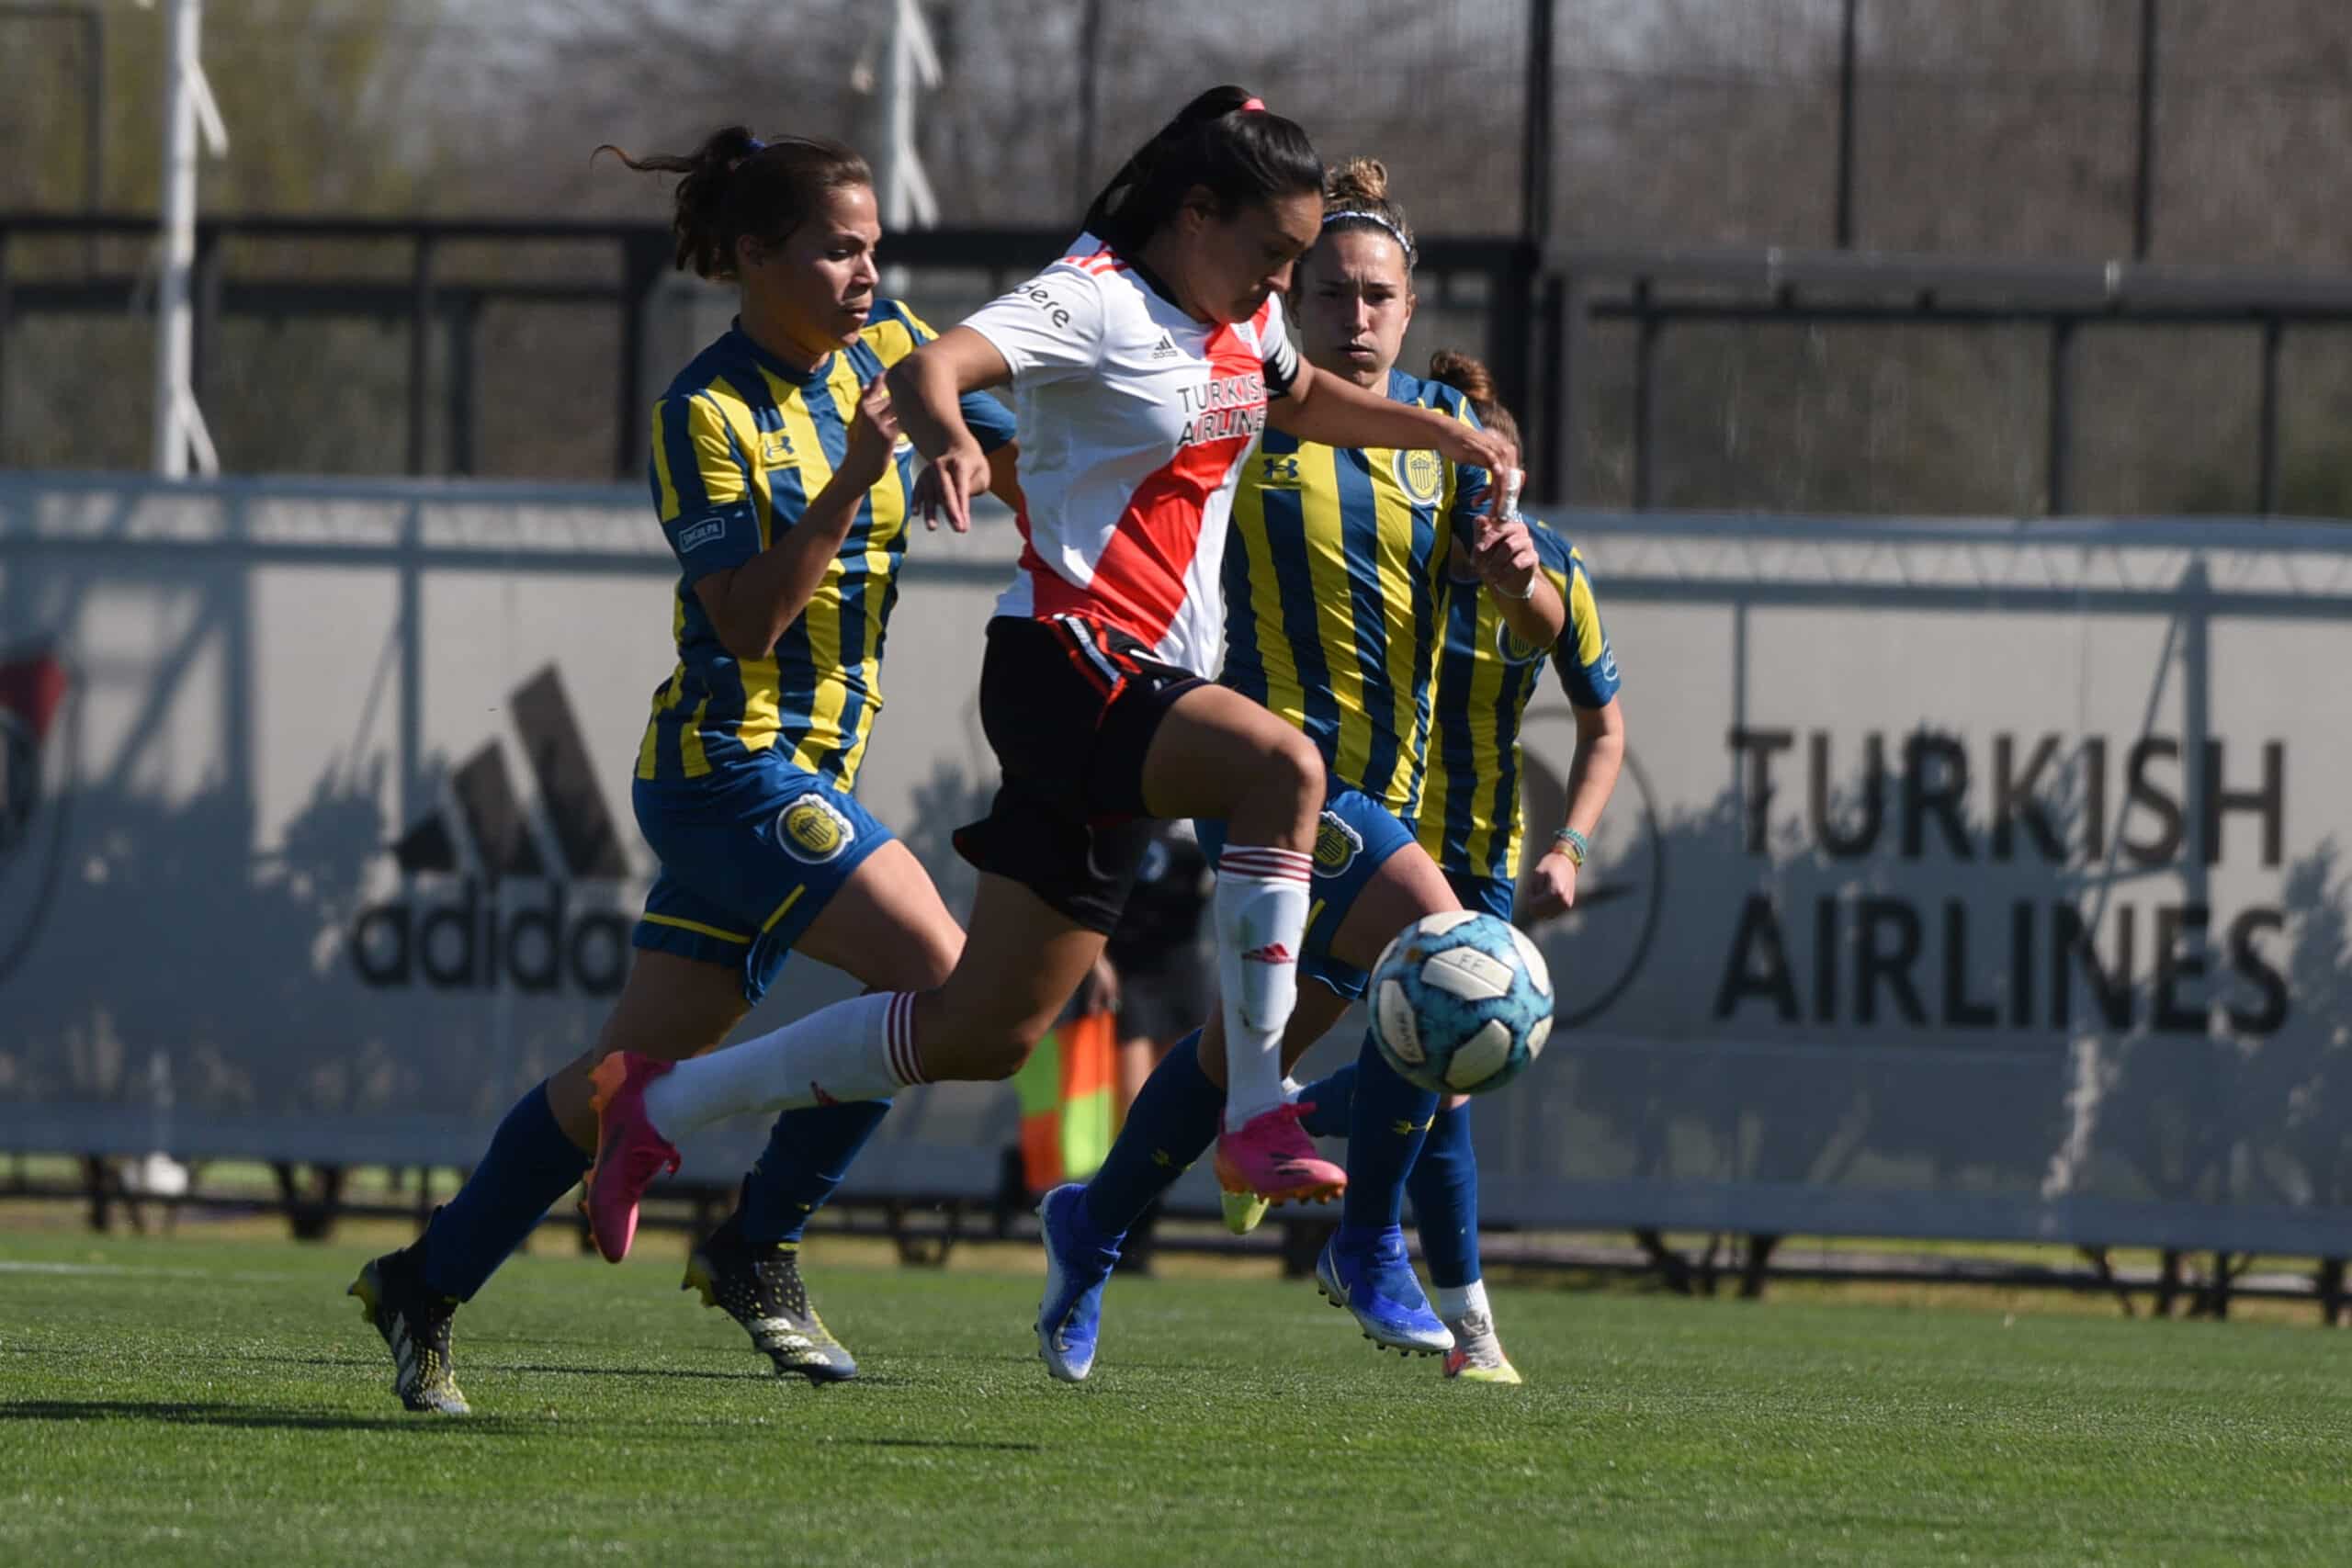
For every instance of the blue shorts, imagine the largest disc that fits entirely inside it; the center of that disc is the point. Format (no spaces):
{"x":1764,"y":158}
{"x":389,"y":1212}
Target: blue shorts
{"x":1495,"y":895}
{"x":747,"y":862}
{"x":1352,"y":841}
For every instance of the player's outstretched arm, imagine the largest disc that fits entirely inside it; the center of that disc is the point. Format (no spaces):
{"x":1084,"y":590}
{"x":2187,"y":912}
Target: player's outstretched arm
{"x":1338,"y":412}
{"x":927,"y":387}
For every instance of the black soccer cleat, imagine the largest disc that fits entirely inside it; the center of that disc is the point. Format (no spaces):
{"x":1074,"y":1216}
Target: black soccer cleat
{"x":762,"y":1289}
{"x":414,"y":1322}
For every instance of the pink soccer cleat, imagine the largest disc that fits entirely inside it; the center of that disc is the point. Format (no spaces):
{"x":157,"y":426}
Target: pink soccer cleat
{"x":1273,"y":1156}
{"x":630,"y":1152}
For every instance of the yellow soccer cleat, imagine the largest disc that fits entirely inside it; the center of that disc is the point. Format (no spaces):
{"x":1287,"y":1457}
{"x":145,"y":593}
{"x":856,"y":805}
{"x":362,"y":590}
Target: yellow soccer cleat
{"x":1477,"y":1354}
{"x":1243,"y":1210}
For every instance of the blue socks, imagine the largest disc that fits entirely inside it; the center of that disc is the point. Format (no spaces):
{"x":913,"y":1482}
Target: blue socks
{"x":1386,"y":1124}
{"x":1444,"y":1182}
{"x":808,"y":1153}
{"x":1445,"y":1185}
{"x":1173,"y":1121}
{"x":530,"y":1163}
{"x":1334,"y":1100}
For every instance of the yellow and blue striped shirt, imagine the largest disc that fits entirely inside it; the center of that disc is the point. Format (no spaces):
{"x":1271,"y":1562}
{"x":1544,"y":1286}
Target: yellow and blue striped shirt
{"x":1331,"y":590}
{"x":742,"y":444}
{"x":1470,"y":817}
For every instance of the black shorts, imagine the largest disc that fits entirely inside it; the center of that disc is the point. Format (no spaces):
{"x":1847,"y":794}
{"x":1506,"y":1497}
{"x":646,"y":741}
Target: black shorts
{"x":1070,"y":706}
{"x":1165,"y":1001}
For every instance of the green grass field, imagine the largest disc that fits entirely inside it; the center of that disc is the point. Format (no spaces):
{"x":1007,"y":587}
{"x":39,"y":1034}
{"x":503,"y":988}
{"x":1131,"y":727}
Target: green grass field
{"x":216,"y":1400}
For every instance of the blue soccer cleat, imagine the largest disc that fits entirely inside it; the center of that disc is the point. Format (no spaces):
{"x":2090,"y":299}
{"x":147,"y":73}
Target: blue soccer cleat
{"x":1375,"y":1281}
{"x":1077,"y":1265}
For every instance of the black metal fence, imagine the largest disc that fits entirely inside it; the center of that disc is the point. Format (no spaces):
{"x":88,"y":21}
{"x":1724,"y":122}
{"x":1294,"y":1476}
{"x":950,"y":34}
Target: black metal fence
{"x":425,"y":280}
{"x":1644,"y":378}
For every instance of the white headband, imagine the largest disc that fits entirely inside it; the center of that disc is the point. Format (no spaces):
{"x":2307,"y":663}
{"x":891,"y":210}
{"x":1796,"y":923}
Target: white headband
{"x":1402,"y":244}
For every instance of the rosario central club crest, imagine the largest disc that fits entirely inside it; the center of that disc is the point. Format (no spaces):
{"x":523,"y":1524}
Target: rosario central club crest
{"x":32,"y":818}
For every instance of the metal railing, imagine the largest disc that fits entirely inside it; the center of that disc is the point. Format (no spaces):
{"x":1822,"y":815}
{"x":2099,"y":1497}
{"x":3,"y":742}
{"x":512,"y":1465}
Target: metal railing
{"x":634,"y":258}
{"x":1539,"y":309}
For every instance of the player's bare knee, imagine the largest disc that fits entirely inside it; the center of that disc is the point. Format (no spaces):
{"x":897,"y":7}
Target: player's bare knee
{"x":935,"y":958}
{"x":1011,"y":1047}
{"x":1291,"y":771}
{"x":1003,"y":1055}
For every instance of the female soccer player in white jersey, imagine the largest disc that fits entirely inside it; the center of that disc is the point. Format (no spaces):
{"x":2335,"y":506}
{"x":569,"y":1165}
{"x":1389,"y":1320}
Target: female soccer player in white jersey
{"x":1144,"y":365}
{"x":1334,"y":580}
{"x":776,"y":484}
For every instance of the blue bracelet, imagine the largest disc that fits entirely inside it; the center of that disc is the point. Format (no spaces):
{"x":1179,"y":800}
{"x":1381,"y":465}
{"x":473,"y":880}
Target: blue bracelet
{"x":1573,"y":843}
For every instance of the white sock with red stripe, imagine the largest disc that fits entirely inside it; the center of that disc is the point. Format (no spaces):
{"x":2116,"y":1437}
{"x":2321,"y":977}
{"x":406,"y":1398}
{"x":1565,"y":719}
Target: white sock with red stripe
{"x":860,"y":1049}
{"x":1261,"y":925}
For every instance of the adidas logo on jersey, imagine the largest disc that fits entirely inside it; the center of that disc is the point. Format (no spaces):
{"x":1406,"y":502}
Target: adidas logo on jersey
{"x":1165,"y":349}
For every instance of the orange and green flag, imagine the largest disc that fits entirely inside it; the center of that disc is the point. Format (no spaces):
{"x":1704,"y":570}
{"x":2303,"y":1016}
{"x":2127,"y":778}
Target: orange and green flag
{"x":1065,"y":1090}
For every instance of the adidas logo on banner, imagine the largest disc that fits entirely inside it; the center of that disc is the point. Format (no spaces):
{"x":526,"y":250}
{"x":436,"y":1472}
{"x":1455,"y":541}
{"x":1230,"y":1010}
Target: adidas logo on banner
{"x":472,"y":942}
{"x":1165,"y":349}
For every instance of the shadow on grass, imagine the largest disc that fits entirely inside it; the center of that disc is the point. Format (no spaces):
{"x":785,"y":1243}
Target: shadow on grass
{"x":490,"y":1364}
{"x":932,"y":1443}
{"x":182,"y":1413}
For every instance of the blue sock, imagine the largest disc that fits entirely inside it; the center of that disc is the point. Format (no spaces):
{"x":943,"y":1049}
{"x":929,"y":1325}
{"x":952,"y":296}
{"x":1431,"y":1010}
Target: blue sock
{"x":1173,"y":1120}
{"x":808,"y":1153}
{"x":529,"y":1164}
{"x":1334,"y":1100}
{"x":1386,"y":1124}
{"x":1445,"y":1185}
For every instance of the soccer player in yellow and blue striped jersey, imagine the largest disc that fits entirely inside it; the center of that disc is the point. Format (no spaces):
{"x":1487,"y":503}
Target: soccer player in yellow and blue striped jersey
{"x":781,"y":484}
{"x":1333,"y":574}
{"x":1488,"y":662}
{"x":1471,"y":823}
{"x":1470,"y":819}
{"x":742,"y":442}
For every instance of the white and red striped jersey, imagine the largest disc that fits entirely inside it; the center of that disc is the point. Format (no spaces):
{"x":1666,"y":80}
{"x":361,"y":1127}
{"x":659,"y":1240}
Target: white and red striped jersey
{"x":1135,"y":420}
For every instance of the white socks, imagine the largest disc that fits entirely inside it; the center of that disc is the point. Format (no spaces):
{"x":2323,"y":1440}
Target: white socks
{"x":1454,"y":1302}
{"x":1261,"y":925}
{"x":860,"y":1049}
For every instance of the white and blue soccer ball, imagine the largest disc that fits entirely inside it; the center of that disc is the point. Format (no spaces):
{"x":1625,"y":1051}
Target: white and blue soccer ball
{"x":1461,"y":1002}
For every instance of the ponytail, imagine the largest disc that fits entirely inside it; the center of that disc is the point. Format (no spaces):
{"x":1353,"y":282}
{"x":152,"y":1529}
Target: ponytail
{"x":1224,"y":141}
{"x":736,"y":187}
{"x":1475,"y":382}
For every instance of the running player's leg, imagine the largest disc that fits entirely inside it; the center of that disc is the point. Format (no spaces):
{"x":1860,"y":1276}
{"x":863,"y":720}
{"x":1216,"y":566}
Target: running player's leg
{"x":1364,"y":1266}
{"x":669,"y":1004}
{"x":1173,"y":1124}
{"x":1174,"y":1117}
{"x":1049,"y":887}
{"x":1372,"y":881}
{"x":1262,"y":870}
{"x":1177,"y":1116}
{"x":750,"y":864}
{"x":1443,"y":1184}
{"x":1053,"y":881}
{"x":887,"y":927}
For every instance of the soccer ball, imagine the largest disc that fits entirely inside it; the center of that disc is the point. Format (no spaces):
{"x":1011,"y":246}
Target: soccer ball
{"x":1461,"y":1002}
